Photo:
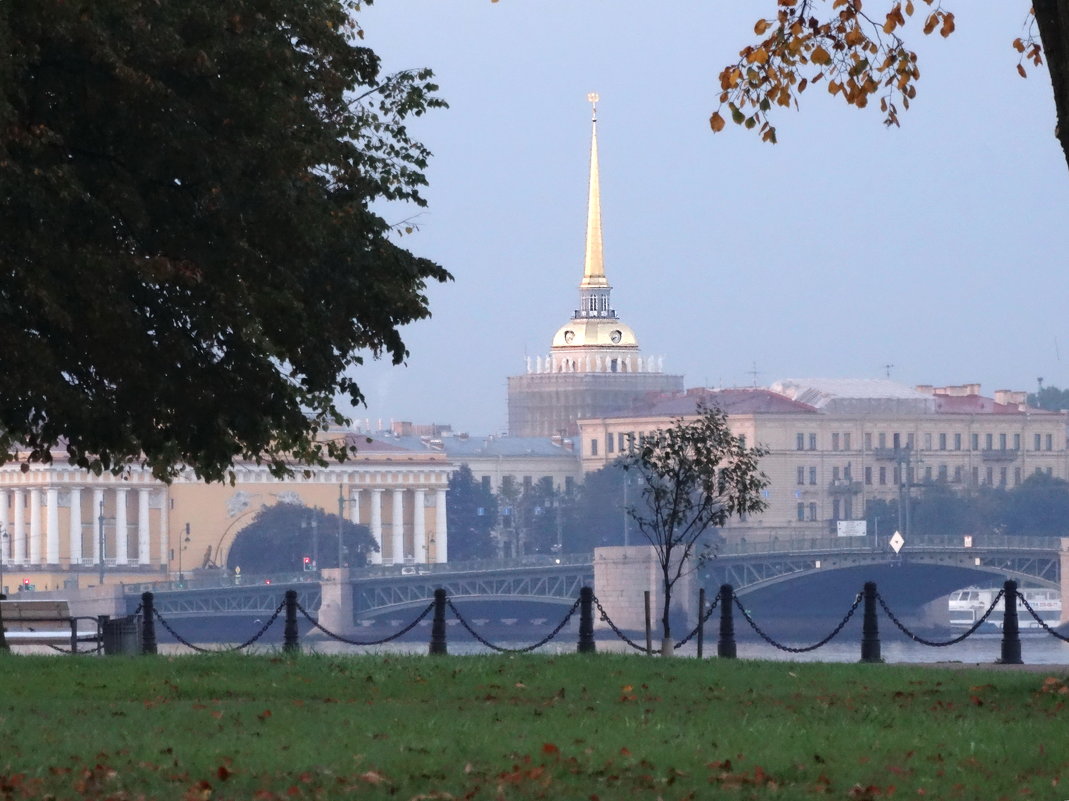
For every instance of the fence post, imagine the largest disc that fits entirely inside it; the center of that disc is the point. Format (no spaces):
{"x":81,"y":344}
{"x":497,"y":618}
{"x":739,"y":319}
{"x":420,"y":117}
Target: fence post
{"x":438,"y":644}
{"x":701,"y":620}
{"x":1011,"y":641}
{"x":649,"y":634}
{"x":148,"y":624}
{"x":725,"y":647}
{"x":870,"y":626}
{"x":290,"y":643}
{"x":586,"y":621}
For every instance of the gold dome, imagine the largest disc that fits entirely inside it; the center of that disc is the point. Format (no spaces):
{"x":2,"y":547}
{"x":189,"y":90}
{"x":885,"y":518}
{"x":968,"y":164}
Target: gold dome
{"x":590,"y":332}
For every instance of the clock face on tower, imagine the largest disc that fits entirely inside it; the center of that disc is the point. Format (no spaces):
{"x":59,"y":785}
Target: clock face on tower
{"x":615,"y":336}
{"x":569,"y":336}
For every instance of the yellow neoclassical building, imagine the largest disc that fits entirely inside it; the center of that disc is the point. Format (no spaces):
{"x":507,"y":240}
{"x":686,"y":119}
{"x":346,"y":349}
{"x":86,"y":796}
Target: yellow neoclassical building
{"x":58,"y":523}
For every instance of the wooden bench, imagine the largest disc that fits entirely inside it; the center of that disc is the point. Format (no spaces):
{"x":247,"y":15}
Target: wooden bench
{"x":46,"y":623}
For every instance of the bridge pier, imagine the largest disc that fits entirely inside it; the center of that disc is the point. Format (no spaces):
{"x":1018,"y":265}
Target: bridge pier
{"x":623,"y":573}
{"x":336,"y":608}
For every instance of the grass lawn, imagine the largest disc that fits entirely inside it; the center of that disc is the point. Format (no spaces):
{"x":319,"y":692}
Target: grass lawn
{"x":494,"y":727}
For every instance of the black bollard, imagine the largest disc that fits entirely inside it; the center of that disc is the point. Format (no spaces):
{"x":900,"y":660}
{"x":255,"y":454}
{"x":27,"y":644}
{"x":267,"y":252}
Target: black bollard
{"x":148,"y":624}
{"x":586,"y":621}
{"x":649,"y":635}
{"x":870,"y":626}
{"x":701,"y":620}
{"x":438,"y":645}
{"x":1011,"y":640}
{"x":725,"y":647}
{"x":290,"y":643}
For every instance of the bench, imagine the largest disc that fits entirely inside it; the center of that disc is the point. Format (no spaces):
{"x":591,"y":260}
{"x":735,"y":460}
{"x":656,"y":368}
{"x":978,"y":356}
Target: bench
{"x":46,"y":623}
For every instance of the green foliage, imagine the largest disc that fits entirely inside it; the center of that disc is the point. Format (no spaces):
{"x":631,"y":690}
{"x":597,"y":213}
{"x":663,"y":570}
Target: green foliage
{"x":621,"y":728}
{"x":190,"y":264}
{"x":280,"y":536}
{"x":692,"y":476}
{"x":1052,"y":399}
{"x":472,"y":513}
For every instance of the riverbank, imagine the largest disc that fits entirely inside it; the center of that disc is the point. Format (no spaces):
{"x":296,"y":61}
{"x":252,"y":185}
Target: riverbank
{"x":489,"y":727}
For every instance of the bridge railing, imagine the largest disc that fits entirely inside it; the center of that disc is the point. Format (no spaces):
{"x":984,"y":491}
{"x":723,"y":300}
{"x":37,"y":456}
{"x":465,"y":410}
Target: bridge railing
{"x":869,"y":544}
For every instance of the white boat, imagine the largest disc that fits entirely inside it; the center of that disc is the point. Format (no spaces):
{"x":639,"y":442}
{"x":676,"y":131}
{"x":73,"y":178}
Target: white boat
{"x":968,"y":605}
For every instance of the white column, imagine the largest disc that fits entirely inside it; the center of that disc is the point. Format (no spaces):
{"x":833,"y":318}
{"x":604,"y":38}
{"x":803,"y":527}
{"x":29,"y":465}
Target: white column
{"x":18,"y":530}
{"x":165,"y":531}
{"x":74,"y":528}
{"x":5,"y":542}
{"x":376,"y":524}
{"x":398,"y":538}
{"x":354,"y":506}
{"x":143,"y":553}
{"x":35,"y":526}
{"x":419,"y":533}
{"x":98,"y":511}
{"x":122,"y":555}
{"x":441,"y":530}
{"x":52,"y":526}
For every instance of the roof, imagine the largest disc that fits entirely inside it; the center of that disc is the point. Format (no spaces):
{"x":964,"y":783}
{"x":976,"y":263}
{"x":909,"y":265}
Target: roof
{"x":733,"y":401}
{"x":458,"y":448}
{"x":856,"y":395}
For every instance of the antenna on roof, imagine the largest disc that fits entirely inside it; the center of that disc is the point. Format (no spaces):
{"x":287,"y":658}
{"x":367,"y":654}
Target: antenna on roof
{"x":754,"y":372}
{"x":887,"y":370}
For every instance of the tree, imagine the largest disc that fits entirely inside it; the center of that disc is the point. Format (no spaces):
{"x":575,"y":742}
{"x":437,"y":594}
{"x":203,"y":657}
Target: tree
{"x":1050,"y":398}
{"x":691,"y":476}
{"x":281,"y":536}
{"x":861,"y":56}
{"x":1038,"y":506}
{"x":472,"y":512}
{"x":190,"y":262}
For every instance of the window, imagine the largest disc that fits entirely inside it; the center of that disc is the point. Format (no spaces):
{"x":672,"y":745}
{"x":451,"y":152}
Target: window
{"x":957,"y":442}
{"x":989,"y":475}
{"x":976,"y":442}
{"x":1002,"y":477}
{"x":835,"y":474}
{"x":868,"y":476}
{"x":846,"y":472}
{"x":835,"y":509}
{"x":801,"y":475}
{"x":958,"y":474}
{"x":813,"y":512}
{"x":898,"y":476}
{"x":1017,"y":442}
{"x":909,"y":441}
{"x":846,"y":441}
{"x":569,"y":485}
{"x":1050,"y":446}
{"x":812,"y":475}
{"x":800,"y":445}
{"x":1016,"y":476}
{"x":485,"y":481}
{"x":813,"y":442}
{"x":610,"y":441}
{"x":976,"y":476}
{"x":989,"y":441}
{"x":868,"y":440}
{"x":527,"y":479}
{"x":508,"y":484}
{"x":942,"y":472}
{"x":927,"y":441}
{"x":801,"y":512}
{"x":928,"y":474}
{"x":942,"y":442}
{"x":883,"y":475}
{"x":883,"y":439}
{"x":1002,"y":442}
{"x":835,"y":441}
{"x":620,"y":442}
{"x":896,"y":441}
{"x":593,"y":447}
{"x":1037,"y":440}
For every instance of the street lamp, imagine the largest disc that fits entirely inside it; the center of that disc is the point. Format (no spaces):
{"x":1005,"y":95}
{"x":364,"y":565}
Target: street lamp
{"x":182,"y":547}
{"x":314,"y":523}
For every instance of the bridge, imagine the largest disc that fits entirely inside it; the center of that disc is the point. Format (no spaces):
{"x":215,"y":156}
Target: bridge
{"x":939,"y":564}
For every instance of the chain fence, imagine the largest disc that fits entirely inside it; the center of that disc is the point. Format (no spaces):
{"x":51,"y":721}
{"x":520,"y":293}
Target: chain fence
{"x":389,"y":638}
{"x":1042,"y":623}
{"x":616,"y":630}
{"x":704,"y":619}
{"x":940,"y":643}
{"x":525,"y":649}
{"x":806,"y":648}
{"x":230,"y":649}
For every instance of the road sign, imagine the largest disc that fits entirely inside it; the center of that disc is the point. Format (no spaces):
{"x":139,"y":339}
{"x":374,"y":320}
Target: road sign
{"x":897,"y":542}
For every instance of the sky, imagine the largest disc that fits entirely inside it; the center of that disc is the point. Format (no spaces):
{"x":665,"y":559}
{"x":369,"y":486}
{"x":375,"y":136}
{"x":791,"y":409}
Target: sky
{"x":939,"y":247}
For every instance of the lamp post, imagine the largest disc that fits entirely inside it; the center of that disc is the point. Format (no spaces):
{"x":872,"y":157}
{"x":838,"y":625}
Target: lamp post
{"x":101,"y":542}
{"x":314,"y":524}
{"x":341,"y":522}
{"x":182,"y":547}
{"x":3,"y":558}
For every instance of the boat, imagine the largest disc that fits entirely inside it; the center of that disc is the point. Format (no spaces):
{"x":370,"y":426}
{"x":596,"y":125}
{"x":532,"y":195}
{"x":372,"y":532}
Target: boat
{"x":968,"y":605}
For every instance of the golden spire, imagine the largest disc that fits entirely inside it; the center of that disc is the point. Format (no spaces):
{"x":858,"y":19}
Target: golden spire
{"x":593,"y":265}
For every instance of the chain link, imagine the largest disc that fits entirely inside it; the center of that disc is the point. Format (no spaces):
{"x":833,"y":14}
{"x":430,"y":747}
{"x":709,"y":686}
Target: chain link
{"x":1043,"y":624}
{"x":804,"y":649}
{"x":616,"y":631}
{"x":231,"y":649}
{"x":389,"y":638}
{"x":932,"y":643}
{"x":525,"y":649}
{"x":705,"y":619}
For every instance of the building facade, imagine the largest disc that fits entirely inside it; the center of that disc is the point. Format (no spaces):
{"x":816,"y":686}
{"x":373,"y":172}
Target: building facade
{"x":594,"y":367}
{"x":836,"y":445}
{"x":59,"y":523}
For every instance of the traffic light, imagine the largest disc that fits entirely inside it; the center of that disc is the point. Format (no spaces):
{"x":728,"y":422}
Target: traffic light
{"x":308,"y":563}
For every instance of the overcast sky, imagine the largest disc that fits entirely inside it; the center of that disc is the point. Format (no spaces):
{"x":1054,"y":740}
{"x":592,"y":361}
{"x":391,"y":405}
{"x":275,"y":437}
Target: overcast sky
{"x":940,"y":247}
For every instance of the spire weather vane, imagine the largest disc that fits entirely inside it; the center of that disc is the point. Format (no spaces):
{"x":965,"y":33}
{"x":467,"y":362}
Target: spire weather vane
{"x":593,"y":98}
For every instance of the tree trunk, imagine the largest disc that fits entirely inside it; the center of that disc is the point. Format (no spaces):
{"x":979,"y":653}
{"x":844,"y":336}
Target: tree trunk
{"x":666,"y":628}
{"x":1052,"y":17}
